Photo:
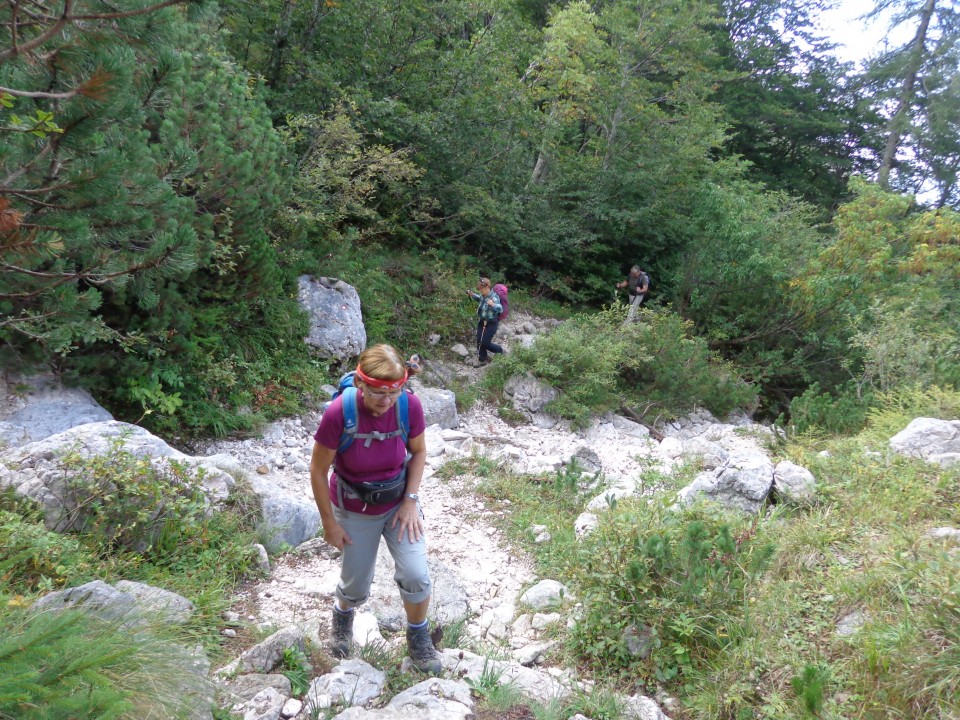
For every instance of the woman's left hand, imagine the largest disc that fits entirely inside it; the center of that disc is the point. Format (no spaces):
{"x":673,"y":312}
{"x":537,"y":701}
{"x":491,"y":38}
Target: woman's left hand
{"x":408,"y":518}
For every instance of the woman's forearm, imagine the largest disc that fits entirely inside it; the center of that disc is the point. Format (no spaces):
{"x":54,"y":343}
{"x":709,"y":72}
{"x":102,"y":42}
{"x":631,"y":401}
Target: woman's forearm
{"x":319,"y":480}
{"x":415,"y":471}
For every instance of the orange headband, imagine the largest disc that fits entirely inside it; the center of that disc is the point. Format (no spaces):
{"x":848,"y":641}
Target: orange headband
{"x":378,"y":383}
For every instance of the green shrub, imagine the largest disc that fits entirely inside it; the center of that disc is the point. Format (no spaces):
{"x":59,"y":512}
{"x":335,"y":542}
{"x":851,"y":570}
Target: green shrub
{"x":662,"y":591}
{"x":598,"y":364}
{"x":34,"y":559}
{"x":121,"y":500}
{"x":838,"y":413}
{"x":223,"y":369}
{"x":144,"y":524}
{"x":296,"y":668}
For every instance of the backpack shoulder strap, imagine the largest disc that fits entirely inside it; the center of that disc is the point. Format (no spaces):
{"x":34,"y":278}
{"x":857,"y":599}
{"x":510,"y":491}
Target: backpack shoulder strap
{"x":403,"y":415}
{"x":349,"y":404}
{"x":350,"y":421}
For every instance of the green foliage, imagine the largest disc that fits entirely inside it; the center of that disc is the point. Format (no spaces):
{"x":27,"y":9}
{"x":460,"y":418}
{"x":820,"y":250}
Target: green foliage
{"x":663,"y":592}
{"x":580,"y":359}
{"x":120,"y":500}
{"x":809,"y":687}
{"x":598,"y":364}
{"x":792,"y":105}
{"x":225,"y":369}
{"x":912,"y":85}
{"x":73,"y":666}
{"x":34,"y":559}
{"x":489,"y":681}
{"x":862,"y":546}
{"x":600,"y":704}
{"x":146,"y":258}
{"x":904,"y":344}
{"x":199,"y":554}
{"x":843,"y":412}
{"x":296,"y":668}
{"x":886,"y":291}
{"x":346,"y":186}
{"x":678,"y":371}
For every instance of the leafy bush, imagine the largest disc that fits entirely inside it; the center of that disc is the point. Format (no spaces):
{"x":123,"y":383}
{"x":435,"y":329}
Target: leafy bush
{"x":582,"y":359}
{"x":224,"y":368}
{"x":905,"y":346}
{"x":120,"y":500}
{"x":599,"y":364}
{"x":33,"y":558}
{"x":143,"y":523}
{"x":662,"y":591}
{"x":678,"y":371}
{"x":842,"y":412}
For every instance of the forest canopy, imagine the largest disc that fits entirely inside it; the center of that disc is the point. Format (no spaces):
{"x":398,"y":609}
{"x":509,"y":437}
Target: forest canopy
{"x":168,"y":170}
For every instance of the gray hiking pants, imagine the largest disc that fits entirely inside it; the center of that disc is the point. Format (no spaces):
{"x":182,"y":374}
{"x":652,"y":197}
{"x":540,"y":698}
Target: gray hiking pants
{"x":359,"y":560}
{"x":635,"y":302}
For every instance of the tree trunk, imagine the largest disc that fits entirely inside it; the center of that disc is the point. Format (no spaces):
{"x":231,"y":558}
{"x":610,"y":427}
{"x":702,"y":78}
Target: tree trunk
{"x":281,"y":38}
{"x":539,"y":175}
{"x":897,"y":124}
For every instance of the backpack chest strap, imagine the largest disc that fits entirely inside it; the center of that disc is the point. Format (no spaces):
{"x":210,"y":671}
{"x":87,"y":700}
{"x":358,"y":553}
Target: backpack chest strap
{"x":374,"y":435}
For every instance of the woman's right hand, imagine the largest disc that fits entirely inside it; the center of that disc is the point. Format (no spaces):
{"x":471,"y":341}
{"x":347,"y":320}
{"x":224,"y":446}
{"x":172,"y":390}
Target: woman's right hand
{"x":335,"y":535}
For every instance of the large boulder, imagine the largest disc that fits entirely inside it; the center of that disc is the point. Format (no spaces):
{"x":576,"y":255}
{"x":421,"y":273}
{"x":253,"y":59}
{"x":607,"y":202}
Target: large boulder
{"x":34,"y":407}
{"x":127,"y":600}
{"x":744,"y":484}
{"x":936,"y":441}
{"x":439,"y":407}
{"x":530,"y":397}
{"x":287,"y":519}
{"x":793,"y":483}
{"x":336,"y":323}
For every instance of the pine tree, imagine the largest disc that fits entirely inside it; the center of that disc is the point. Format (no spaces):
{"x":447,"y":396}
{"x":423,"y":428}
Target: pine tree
{"x":135,"y":155}
{"x":915,"y":85}
{"x":87,"y":209}
{"x":139,"y":176}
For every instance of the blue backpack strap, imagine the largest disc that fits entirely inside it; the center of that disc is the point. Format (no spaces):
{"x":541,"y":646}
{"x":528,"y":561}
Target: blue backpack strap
{"x":403,"y":416}
{"x":349,"y":404}
{"x":350,"y":419}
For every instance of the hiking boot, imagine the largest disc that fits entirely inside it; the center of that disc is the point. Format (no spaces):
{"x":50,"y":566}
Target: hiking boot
{"x":341,"y":644}
{"x":421,"y":651}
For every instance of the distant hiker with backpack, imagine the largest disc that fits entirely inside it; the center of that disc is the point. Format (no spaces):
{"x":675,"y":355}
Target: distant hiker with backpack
{"x":489,"y":313}
{"x":372,"y":435}
{"x":638,"y":286}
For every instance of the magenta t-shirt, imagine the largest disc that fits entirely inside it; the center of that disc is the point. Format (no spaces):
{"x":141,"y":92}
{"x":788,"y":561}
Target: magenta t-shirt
{"x":381,"y":461}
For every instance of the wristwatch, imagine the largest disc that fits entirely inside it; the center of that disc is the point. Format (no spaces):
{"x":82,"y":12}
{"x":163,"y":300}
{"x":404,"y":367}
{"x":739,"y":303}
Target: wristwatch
{"x":413,"y":496}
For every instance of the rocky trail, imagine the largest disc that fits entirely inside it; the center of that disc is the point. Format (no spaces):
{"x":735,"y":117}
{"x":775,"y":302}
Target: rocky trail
{"x":478,"y":577}
{"x":483,"y":585}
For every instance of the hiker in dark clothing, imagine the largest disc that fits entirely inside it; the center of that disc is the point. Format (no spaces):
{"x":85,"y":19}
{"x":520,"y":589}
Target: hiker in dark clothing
{"x":637,"y":285}
{"x":488,"y":319}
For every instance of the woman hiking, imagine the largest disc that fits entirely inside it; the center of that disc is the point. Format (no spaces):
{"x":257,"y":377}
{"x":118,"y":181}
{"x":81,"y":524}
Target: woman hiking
{"x":373,"y":493}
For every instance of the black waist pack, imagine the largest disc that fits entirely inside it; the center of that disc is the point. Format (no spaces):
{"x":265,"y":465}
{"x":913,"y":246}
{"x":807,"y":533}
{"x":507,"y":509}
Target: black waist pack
{"x":378,"y":493}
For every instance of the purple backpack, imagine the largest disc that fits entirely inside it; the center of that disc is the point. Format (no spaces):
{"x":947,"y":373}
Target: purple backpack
{"x":501,"y":290}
